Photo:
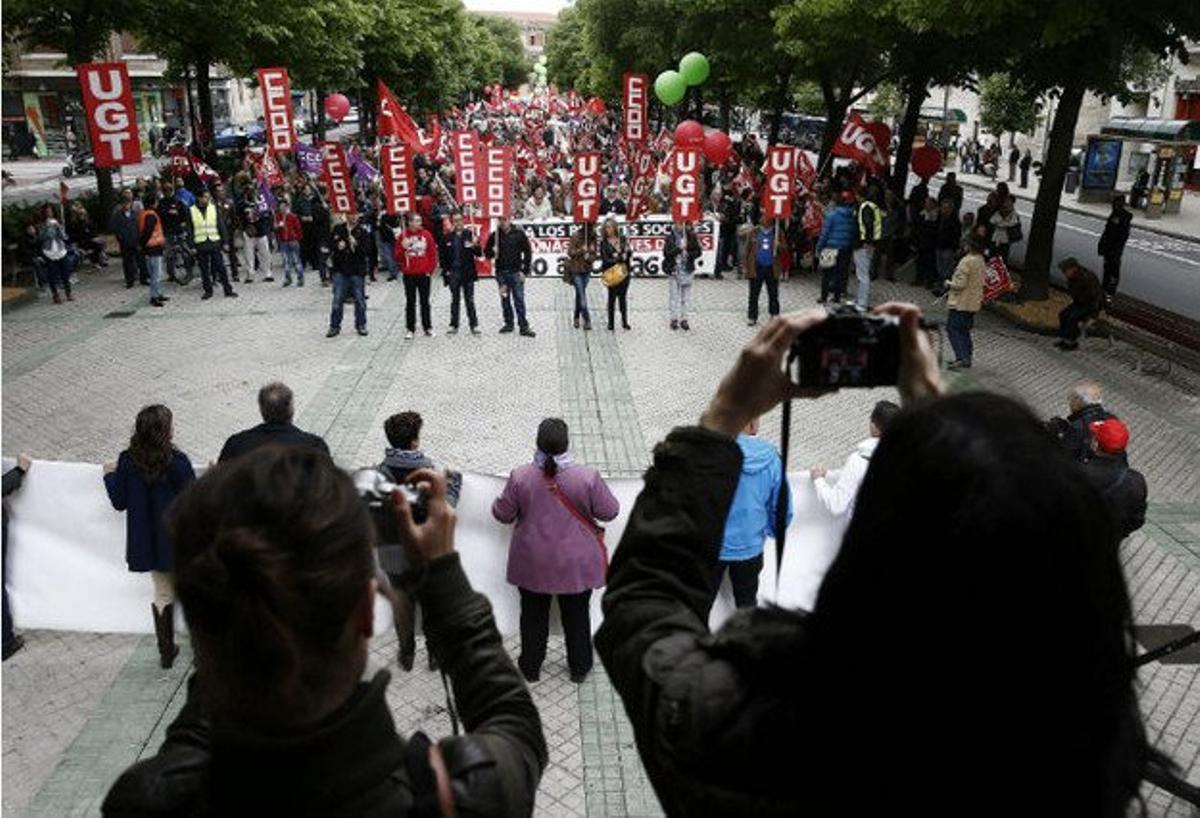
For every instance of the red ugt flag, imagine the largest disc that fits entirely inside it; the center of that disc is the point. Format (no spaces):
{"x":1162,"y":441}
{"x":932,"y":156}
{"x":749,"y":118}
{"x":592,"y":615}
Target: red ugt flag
{"x":865,"y":143}
{"x":111,"y":118}
{"x":685,"y":185}
{"x":586,"y":182}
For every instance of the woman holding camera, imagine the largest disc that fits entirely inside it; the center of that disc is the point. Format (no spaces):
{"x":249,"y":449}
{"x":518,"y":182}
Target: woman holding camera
{"x":614,"y":250}
{"x":143,"y":483}
{"x":557,"y":547}
{"x":276,"y":575}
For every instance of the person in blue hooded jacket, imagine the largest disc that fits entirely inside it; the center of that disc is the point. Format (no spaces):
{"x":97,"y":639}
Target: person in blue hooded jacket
{"x":751,"y":517}
{"x":838,"y":233}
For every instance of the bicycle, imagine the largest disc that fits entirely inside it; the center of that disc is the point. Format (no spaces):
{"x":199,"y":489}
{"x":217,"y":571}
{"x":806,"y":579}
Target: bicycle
{"x":180,"y":249}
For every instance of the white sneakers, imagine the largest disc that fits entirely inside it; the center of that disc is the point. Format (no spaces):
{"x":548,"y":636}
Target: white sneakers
{"x":408,"y":336}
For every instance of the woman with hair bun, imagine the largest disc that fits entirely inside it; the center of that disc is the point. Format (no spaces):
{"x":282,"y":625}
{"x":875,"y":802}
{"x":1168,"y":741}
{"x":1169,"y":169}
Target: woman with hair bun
{"x":143,"y":483}
{"x":557,"y":547}
{"x":276,"y":576}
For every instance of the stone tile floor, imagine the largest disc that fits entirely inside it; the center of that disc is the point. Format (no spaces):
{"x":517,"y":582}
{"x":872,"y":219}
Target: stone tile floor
{"x":79,"y":707}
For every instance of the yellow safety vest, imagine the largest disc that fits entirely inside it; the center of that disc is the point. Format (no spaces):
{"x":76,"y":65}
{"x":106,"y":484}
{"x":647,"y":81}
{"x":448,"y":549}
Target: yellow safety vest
{"x":204,"y":225}
{"x":876,"y":225}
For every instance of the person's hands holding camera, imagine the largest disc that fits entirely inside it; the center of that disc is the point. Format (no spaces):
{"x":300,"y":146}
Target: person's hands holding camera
{"x":918,"y":378}
{"x":817,"y":472}
{"x":758,"y":382}
{"x":24,"y":461}
{"x":435,"y":536}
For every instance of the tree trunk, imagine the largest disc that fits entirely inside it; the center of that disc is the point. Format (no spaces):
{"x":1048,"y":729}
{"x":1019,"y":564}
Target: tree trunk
{"x":319,"y":113}
{"x":106,"y":194}
{"x":836,"y":104}
{"x":204,"y":102}
{"x":781,"y":99}
{"x":1039,"y":253}
{"x":726,"y":108}
{"x":188,"y":106}
{"x":918,"y":90}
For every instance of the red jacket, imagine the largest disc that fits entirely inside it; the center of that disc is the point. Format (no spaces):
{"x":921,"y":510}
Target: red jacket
{"x":287,"y":228}
{"x":416,"y":252}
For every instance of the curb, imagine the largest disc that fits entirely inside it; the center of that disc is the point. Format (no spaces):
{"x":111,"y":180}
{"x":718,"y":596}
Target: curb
{"x":16,"y":297}
{"x":1139,"y":225}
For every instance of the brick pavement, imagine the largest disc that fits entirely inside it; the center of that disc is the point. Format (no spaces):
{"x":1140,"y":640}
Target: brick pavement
{"x":73,"y":381}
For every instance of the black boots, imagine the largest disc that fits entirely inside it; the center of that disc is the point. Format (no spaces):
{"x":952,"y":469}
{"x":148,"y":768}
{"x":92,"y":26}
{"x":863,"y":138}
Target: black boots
{"x":164,"y":631}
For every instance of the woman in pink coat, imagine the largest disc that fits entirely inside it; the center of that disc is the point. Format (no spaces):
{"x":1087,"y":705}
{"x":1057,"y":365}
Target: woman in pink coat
{"x":557,"y":547}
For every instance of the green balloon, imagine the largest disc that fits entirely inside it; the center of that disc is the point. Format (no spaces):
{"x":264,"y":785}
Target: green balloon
{"x":694,"y":68}
{"x":669,"y":87}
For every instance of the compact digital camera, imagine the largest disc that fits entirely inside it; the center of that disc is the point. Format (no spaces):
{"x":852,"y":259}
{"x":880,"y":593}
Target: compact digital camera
{"x":852,"y":348}
{"x":376,"y":490}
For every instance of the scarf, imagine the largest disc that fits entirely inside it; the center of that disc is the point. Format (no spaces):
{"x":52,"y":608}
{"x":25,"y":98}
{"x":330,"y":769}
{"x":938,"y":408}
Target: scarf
{"x":561,"y":460}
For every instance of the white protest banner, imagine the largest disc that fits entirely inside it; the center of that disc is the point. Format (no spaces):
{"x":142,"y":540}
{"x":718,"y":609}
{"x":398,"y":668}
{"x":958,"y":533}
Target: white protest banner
{"x":548,"y":239}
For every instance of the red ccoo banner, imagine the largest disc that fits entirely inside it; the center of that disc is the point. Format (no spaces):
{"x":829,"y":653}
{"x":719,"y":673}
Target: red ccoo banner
{"x":636,"y":114}
{"x":337,"y":178}
{"x":586,"y":187}
{"x":685,"y":185}
{"x":464,"y":146}
{"x":277,"y":108}
{"x":112,"y":120}
{"x":398,"y":184}
{"x":498,"y":167}
{"x":781,"y":182}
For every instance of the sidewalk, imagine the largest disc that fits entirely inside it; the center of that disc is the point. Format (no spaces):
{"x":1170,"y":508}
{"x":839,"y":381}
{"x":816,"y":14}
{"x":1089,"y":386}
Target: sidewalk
{"x":1184,"y":225}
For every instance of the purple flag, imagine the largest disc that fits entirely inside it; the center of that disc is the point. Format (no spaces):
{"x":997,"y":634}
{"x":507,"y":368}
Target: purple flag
{"x":266,"y":198}
{"x":362,"y":170}
{"x":309,"y":159}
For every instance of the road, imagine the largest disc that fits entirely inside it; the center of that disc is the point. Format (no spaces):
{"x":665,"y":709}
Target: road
{"x":1160,"y":270}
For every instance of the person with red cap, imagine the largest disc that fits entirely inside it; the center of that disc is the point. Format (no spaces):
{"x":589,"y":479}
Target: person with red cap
{"x":1122,"y":488}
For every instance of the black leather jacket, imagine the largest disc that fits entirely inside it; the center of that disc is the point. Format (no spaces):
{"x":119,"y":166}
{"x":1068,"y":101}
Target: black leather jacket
{"x":353,"y":763}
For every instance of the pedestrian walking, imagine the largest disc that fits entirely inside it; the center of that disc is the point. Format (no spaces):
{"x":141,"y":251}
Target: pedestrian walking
{"x":835,"y":247}
{"x":1026,"y":164}
{"x":417,"y":255}
{"x":461,"y":251}
{"x":965,"y":298}
{"x":581,"y":257}
{"x":143,"y":483}
{"x":1014,"y":156}
{"x":1112,"y":243}
{"x":557,"y":548}
{"x":509,"y":247}
{"x":349,"y":259}
{"x":124,"y":226}
{"x":52,"y":245}
{"x":615,"y":257}
{"x":680,"y":252}
{"x":209,"y":235}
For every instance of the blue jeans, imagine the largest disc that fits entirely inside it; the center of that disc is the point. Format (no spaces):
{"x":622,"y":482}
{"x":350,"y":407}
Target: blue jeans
{"x":57,"y":275}
{"x":1069,"y":319}
{"x":291,"y":261}
{"x":511,"y":279}
{"x":387,"y":253}
{"x":863,"y":257}
{"x":462,"y":291}
{"x":344,"y":285}
{"x":580,"y":283}
{"x":958,"y":330}
{"x":155,"y":265}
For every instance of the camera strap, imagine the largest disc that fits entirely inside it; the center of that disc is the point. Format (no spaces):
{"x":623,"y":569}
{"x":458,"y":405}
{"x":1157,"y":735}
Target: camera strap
{"x":781,"y":502}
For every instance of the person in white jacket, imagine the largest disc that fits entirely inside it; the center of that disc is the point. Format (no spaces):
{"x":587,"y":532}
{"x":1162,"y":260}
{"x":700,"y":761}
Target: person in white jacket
{"x":837,"y":489}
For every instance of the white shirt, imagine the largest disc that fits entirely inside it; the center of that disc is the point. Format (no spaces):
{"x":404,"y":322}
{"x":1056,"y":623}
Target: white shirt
{"x":838,"y":490}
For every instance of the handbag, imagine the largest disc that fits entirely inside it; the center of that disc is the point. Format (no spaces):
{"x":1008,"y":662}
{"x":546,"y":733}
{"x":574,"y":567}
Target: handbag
{"x":828,"y":258}
{"x":588,"y":523}
{"x":1015,"y":234}
{"x":614,"y":275}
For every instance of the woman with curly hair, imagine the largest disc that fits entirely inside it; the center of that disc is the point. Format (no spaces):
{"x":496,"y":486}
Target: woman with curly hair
{"x":144,"y":482}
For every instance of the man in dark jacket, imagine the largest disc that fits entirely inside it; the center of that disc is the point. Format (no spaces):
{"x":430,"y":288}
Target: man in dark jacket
{"x":951,"y":191}
{"x":12,"y":481}
{"x":402,"y":457}
{"x":1112,"y":243}
{"x":459,"y":249}
{"x":275,"y":405}
{"x":124,"y":225}
{"x":1087,"y":299}
{"x":1123,"y":488}
{"x":353,"y":762}
{"x":509,"y":246}
{"x":1075,"y":432}
{"x":350,"y":242}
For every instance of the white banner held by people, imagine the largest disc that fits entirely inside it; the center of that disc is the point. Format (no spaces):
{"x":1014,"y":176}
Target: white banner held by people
{"x":548,"y":239}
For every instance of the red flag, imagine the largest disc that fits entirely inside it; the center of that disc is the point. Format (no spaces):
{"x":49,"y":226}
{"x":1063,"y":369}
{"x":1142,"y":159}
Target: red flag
{"x":63,"y":192}
{"x":180,"y":161}
{"x":111,"y":117}
{"x":643,"y":171}
{"x":337,"y":178}
{"x":464,"y":145}
{"x":268,"y":169}
{"x":398,"y":184}
{"x":586,"y":187}
{"x":277,"y":108}
{"x":685,"y":185}
{"x":781,"y":182}
{"x":865,"y":143}
{"x":394,"y":120}
{"x":805,"y":171}
{"x":996,"y":280}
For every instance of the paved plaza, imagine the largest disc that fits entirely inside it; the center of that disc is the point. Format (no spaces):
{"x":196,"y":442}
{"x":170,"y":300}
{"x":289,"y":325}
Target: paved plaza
{"x":78,"y":708}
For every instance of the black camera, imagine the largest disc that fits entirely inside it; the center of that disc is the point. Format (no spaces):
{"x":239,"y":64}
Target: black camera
{"x":376,"y":490}
{"x":852,"y":348}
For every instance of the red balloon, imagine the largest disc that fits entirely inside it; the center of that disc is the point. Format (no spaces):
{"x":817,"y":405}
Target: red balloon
{"x":336,"y":107}
{"x":596,"y":106}
{"x":717,"y":147}
{"x":926,"y":161}
{"x":689,"y":134}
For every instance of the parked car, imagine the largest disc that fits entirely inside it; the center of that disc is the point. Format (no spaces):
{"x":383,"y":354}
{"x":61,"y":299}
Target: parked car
{"x":237,"y":137}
